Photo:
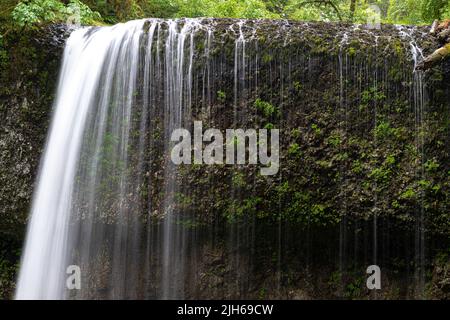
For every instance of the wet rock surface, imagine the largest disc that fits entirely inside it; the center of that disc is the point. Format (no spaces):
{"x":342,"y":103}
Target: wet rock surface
{"x":359,"y":148}
{"x":29,"y":76}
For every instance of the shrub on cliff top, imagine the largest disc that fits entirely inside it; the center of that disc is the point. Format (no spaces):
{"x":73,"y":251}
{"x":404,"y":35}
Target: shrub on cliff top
{"x":35,"y":12}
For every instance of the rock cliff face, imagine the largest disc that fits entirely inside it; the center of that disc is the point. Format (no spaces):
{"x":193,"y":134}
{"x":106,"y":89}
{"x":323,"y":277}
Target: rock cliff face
{"x":364,"y":159}
{"x":29,"y":64}
{"x":29,"y":74}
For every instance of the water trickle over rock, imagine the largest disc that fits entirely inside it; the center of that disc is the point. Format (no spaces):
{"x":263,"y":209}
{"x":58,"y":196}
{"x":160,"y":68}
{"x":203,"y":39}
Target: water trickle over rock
{"x":360,"y":142}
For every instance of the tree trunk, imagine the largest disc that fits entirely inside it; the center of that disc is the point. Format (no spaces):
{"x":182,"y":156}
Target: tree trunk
{"x":352,"y":9}
{"x":435,"y":58}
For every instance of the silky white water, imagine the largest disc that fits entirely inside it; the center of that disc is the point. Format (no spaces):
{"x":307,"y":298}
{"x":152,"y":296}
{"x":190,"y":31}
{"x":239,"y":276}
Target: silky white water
{"x":44,"y":263}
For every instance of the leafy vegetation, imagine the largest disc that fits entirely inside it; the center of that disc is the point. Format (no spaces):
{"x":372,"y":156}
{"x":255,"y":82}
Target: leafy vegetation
{"x":35,"y":12}
{"x":221,"y":96}
{"x":32,"y":12}
{"x":265,"y":107}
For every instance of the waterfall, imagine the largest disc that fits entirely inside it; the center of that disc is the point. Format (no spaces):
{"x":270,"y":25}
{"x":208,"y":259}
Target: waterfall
{"x":91,"y":81}
{"x":419,"y":102}
{"x":178,"y":100}
{"x":87,"y":167}
{"x":109,"y":200}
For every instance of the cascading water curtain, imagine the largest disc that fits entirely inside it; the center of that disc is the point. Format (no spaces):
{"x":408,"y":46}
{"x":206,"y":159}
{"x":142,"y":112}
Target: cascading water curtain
{"x":110,"y":201}
{"x":88,"y":208}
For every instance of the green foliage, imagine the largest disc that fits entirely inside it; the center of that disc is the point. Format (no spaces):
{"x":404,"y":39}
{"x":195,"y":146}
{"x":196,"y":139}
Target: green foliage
{"x":382,"y":174}
{"x":434,"y":9}
{"x":294,"y":150}
{"x":384,"y":130}
{"x":266,"y":58}
{"x":188,"y":223}
{"x":431,"y":165}
{"x":371,"y":96}
{"x":417,"y":11}
{"x":265,"y":108}
{"x":184,"y":201}
{"x":221,"y":96}
{"x":114,"y":11}
{"x":302,"y":206}
{"x":295,"y":133}
{"x":357,"y":167}
{"x":247,"y":207}
{"x":238,"y":180}
{"x":316,"y":10}
{"x":250,"y":9}
{"x":77,"y":8}
{"x":316,"y":129}
{"x":298,"y":86}
{"x":408,"y":194}
{"x":354,"y":288}
{"x":405,"y":12}
{"x":6,"y":7}
{"x":334,"y":139}
{"x":34,"y":12}
{"x":335,"y":279}
{"x":161,"y":8}
{"x":38,"y":11}
{"x":351,"y":51}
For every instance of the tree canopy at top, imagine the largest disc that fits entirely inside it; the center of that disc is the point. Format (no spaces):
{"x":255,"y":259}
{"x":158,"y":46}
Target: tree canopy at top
{"x":35,"y":12}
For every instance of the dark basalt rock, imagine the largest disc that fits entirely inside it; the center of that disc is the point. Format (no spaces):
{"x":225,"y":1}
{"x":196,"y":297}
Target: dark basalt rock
{"x":348,"y":151}
{"x":28,"y":83}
